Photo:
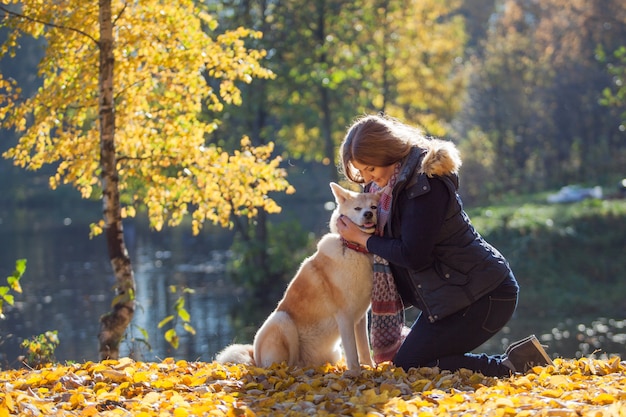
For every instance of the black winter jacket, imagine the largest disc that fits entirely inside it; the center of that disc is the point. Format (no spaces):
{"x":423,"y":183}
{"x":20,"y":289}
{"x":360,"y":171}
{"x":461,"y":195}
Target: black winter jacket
{"x":455,"y":266}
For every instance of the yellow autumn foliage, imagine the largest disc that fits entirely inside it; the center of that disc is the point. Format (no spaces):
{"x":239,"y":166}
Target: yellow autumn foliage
{"x":583,"y":387}
{"x":170,"y":65}
{"x":427,"y":76}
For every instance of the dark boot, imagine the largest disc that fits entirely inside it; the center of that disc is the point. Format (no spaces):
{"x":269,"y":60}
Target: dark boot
{"x":526,"y":353}
{"x":517,"y":343}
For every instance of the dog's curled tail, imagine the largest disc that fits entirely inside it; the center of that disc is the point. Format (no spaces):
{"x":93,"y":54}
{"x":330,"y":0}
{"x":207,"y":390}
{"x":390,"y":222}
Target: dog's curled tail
{"x":240,"y":354}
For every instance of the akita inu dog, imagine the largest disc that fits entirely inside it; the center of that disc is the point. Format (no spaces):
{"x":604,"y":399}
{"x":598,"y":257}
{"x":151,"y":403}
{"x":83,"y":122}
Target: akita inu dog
{"x":325,"y":303}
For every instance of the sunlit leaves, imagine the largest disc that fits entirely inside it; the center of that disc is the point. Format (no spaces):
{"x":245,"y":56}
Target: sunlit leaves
{"x":616,"y":95}
{"x":425,"y":79}
{"x":167,"y":70}
{"x":39,"y":350}
{"x":571,"y":388}
{"x":13,"y":285}
{"x":172,"y":338}
{"x":181,"y":313}
{"x":215,"y":185}
{"x":343,"y":59}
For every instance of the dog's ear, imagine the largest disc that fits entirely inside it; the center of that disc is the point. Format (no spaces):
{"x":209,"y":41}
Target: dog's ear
{"x":340,"y":193}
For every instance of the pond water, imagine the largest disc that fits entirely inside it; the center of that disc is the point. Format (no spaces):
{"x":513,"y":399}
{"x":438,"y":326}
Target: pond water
{"x":68,"y":285}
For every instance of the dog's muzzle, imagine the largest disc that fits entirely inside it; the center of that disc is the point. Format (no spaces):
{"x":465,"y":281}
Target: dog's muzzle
{"x":369,"y":226}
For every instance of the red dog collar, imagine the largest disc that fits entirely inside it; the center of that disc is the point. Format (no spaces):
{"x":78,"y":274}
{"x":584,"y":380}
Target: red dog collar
{"x":354,"y":246}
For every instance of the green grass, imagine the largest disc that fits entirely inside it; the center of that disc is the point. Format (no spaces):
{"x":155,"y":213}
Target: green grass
{"x":568,"y":258}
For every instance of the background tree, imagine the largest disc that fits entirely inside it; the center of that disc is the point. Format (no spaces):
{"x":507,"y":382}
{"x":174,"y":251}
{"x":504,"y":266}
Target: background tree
{"x":253,"y":243}
{"x":423,"y":44}
{"x":332,"y":60}
{"x":586,"y":132}
{"x":117,"y":115}
{"x":477,"y":14}
{"x":504,"y":101}
{"x":345,"y":59}
{"x":534,"y":96}
{"x":335,"y":60}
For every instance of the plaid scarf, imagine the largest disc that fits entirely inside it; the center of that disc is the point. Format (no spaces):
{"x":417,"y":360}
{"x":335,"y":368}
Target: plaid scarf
{"x":387,"y":331}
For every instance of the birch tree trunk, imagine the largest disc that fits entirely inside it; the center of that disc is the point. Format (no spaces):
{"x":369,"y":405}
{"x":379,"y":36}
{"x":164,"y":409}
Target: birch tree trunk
{"x":114,"y":323}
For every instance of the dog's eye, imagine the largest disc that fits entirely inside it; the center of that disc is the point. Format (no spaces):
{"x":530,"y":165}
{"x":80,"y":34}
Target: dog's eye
{"x":374,"y":207}
{"x":358,"y":209}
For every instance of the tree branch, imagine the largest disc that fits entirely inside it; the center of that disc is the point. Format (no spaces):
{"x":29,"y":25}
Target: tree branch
{"x":120,"y":14}
{"x":239,"y":224}
{"x":53,"y":25}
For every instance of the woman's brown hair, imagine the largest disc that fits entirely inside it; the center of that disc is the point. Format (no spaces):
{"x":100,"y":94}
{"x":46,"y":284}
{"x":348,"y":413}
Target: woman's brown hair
{"x":375,"y":140}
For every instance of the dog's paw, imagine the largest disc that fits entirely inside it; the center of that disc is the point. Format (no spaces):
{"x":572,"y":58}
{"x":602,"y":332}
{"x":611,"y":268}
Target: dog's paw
{"x":365,"y":361}
{"x":353,"y":373}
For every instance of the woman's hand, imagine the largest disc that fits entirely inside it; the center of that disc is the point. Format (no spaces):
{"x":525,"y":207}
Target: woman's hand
{"x":351,"y":232}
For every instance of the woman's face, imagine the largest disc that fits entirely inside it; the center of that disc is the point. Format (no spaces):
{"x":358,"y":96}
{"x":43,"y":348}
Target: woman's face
{"x":378,"y":175}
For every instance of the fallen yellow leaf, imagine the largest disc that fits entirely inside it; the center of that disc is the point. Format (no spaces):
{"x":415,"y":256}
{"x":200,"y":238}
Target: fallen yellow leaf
{"x":586,"y":387}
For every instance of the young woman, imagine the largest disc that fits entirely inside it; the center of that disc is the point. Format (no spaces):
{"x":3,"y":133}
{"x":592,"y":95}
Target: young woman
{"x":428,"y":255}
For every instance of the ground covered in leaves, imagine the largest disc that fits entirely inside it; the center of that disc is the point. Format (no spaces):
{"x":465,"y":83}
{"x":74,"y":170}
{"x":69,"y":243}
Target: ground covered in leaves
{"x":584,"y":387}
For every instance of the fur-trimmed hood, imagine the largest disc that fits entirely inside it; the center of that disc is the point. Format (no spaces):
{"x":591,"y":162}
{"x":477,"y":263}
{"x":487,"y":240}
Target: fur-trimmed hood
{"x":441,"y":157}
{"x":430,"y":158}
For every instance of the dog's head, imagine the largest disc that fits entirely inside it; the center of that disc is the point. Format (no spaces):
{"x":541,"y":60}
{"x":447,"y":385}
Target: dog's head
{"x":361,"y":208}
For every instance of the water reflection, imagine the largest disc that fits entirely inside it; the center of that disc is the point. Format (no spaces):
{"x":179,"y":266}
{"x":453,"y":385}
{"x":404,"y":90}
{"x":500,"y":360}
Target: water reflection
{"x":567,"y":338}
{"x":209,"y":305}
{"x":68,"y":285}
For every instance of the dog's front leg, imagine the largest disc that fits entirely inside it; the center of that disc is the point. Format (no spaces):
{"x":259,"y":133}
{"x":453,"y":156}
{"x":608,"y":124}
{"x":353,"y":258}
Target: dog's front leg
{"x":362,"y":342}
{"x":348,"y":341}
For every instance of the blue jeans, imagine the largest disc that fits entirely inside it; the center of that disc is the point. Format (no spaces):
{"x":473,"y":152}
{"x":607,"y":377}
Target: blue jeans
{"x":446,"y":343}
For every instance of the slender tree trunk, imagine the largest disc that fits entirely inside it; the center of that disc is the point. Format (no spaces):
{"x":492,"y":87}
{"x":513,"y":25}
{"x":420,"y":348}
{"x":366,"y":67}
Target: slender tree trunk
{"x":259,"y":105}
{"x":114,"y":323}
{"x":329,"y":144}
{"x":385,"y":57}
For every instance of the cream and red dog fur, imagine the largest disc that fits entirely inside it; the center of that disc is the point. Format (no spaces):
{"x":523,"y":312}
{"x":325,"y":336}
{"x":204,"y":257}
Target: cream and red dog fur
{"x":325,"y":303}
